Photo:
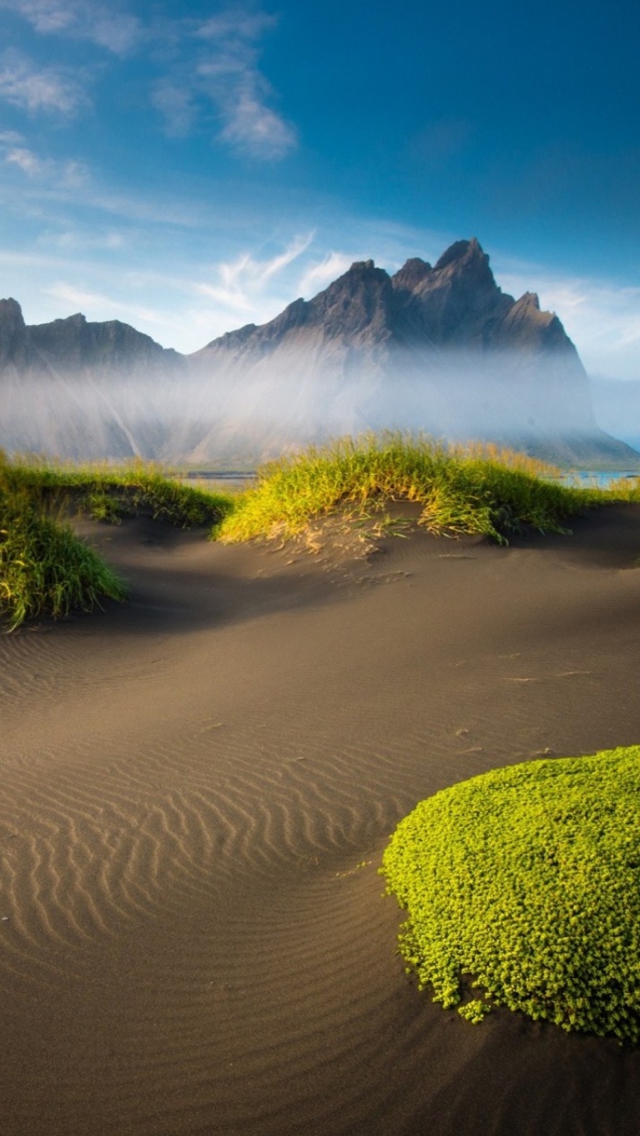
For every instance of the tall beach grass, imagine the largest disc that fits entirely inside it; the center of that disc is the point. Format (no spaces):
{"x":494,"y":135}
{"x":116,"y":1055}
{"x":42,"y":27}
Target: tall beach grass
{"x":481,"y":489}
{"x":477,"y":488}
{"x":110,"y":493}
{"x":45,"y":570}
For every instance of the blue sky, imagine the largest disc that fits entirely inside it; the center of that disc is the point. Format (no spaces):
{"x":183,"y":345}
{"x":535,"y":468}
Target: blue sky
{"x":189,"y":168}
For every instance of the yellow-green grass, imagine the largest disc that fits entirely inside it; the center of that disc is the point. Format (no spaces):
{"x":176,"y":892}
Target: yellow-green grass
{"x":522,"y":889}
{"x":44,"y":568}
{"x":110,"y":493}
{"x":461,"y":489}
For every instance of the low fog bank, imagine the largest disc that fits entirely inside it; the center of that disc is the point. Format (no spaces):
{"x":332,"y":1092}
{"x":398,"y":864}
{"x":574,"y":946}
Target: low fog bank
{"x":231,"y":414}
{"x":616,"y":404}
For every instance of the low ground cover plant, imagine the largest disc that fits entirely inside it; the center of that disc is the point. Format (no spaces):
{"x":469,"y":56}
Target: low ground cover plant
{"x":462,"y":489}
{"x":522,"y":889}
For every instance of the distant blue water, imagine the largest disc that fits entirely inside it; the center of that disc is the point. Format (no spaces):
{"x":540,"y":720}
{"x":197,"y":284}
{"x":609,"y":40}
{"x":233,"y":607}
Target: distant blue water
{"x":600,"y":478}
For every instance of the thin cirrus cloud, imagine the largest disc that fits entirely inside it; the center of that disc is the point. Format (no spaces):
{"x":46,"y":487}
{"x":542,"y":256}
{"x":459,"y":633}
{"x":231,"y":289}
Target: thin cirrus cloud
{"x":242,"y":283}
{"x":37,"y":89}
{"x":333,"y":265}
{"x":225,"y":77}
{"x":15,"y":153}
{"x":109,"y":27}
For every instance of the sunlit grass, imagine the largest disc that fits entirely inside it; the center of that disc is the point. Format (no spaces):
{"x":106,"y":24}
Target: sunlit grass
{"x":482,"y":489}
{"x":522,"y":889}
{"x":44,"y":568}
{"x":478,"y":488}
{"x":110,"y":493}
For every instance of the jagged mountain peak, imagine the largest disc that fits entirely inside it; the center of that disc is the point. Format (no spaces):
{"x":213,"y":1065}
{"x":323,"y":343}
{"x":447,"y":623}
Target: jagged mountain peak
{"x":10,"y":311}
{"x":412,"y":273}
{"x":439,"y":348}
{"x":462,"y":253}
{"x":456,"y":304}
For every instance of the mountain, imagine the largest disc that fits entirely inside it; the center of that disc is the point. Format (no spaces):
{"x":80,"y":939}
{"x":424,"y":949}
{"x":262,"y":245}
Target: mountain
{"x":81,"y":390}
{"x":439,"y":349}
{"x":456,"y":304}
{"x":78,"y":347}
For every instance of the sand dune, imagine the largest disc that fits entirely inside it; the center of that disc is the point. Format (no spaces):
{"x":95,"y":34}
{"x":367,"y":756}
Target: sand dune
{"x":196,"y":791}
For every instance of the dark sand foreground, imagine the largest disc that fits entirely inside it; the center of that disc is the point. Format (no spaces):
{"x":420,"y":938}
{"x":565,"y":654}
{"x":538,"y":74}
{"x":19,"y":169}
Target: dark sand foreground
{"x":190,"y":783}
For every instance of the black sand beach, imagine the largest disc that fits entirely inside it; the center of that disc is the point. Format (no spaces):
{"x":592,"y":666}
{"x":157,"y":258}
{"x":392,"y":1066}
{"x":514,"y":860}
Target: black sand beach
{"x":196,"y":791}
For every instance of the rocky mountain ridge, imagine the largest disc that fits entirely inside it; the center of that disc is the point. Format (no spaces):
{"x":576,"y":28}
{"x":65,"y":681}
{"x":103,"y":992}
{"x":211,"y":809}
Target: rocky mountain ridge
{"x":457,"y":303}
{"x":439,"y":349}
{"x":76,"y":345}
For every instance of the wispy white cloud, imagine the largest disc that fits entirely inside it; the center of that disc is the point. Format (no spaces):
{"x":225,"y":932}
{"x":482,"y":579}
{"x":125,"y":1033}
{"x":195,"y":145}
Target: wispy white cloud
{"x":110,"y":27}
{"x":176,"y":103}
{"x":243,"y":280}
{"x":319,"y":275}
{"x":51,"y":90}
{"x":15,"y":153}
{"x":74,"y":241}
{"x":98,"y":305}
{"x":252,"y":128}
{"x":210,"y":69}
{"x":234,"y":23}
{"x":225,"y":76}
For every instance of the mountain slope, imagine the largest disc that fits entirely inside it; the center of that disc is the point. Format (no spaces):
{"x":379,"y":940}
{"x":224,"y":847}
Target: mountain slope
{"x":81,"y":390}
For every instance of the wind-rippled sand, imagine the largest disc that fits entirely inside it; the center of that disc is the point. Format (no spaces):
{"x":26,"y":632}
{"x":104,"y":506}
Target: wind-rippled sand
{"x":196,"y":792}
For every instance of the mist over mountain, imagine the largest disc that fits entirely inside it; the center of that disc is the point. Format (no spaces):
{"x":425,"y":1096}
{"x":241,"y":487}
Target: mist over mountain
{"x":439,"y":349}
{"x":616,"y":404}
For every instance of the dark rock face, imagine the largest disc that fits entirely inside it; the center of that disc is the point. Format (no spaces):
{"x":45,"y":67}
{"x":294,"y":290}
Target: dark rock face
{"x":12,"y":333}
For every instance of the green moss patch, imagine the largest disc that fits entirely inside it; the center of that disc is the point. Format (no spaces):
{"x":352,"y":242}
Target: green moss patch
{"x":522,"y":889}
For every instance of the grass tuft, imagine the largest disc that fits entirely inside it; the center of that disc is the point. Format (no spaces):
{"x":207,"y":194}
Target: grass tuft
{"x":523,"y":884}
{"x":110,"y":494}
{"x":462,"y":489}
{"x":44,"y":568}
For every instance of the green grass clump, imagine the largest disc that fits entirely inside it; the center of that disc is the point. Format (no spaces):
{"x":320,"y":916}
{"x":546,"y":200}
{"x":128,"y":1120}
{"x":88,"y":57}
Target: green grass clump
{"x":473,"y":489}
{"x":522,"y":889}
{"x":109,"y":494}
{"x":44,"y":568}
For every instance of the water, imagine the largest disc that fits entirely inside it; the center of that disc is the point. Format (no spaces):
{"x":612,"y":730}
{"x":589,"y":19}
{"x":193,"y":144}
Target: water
{"x":597,"y":479}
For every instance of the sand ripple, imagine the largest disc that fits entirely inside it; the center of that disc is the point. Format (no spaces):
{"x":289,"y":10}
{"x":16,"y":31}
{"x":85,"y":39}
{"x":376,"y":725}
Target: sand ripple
{"x":196,"y":792}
